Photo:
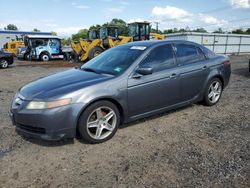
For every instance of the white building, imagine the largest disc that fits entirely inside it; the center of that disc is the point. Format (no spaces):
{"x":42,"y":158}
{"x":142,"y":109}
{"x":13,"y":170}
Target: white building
{"x":7,"y":35}
{"x":219,"y":43}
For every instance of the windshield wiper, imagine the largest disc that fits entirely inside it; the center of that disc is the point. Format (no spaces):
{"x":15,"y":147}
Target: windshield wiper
{"x":91,"y":70}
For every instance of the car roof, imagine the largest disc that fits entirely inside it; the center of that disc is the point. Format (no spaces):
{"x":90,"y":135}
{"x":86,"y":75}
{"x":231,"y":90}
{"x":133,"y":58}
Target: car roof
{"x":151,"y":43}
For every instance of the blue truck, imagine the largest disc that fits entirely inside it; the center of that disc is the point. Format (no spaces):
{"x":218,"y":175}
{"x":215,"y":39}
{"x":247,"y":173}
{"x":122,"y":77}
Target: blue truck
{"x":43,"y":47}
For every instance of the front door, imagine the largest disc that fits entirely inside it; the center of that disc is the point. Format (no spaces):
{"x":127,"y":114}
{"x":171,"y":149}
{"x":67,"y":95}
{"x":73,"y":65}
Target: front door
{"x":157,"y":90}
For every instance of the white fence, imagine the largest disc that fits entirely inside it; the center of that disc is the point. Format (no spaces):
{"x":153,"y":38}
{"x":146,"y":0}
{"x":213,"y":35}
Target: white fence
{"x":219,"y":43}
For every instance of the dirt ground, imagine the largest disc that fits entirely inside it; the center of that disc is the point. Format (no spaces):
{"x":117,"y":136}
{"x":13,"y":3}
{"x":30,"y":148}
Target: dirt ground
{"x":195,"y":146}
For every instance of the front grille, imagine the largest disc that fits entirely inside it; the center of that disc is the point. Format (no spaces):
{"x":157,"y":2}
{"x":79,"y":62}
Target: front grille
{"x":32,"y":129}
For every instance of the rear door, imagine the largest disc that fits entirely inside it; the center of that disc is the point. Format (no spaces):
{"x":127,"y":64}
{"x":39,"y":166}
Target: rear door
{"x":159,"y":89}
{"x":193,"y":69}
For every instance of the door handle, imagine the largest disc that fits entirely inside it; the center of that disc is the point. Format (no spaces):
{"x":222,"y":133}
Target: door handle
{"x":204,"y":67}
{"x":173,"y":76}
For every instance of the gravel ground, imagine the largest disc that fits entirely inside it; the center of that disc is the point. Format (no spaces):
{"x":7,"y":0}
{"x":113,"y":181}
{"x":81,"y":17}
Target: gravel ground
{"x":195,"y":146}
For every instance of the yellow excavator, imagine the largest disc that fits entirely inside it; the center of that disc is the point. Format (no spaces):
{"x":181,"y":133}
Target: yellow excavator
{"x":108,"y":37}
{"x":13,"y":45}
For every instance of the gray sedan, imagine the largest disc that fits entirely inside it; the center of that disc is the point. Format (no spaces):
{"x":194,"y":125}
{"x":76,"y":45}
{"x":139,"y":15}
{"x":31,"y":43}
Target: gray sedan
{"x":123,"y":84}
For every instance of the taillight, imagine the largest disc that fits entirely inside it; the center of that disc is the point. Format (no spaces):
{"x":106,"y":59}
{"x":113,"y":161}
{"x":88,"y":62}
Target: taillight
{"x":227,"y":62}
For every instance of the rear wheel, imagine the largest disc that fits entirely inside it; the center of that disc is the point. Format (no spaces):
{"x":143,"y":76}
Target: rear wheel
{"x":95,"y":52}
{"x":4,"y":64}
{"x":44,"y":57}
{"x":99,"y":122}
{"x":213,"y":92}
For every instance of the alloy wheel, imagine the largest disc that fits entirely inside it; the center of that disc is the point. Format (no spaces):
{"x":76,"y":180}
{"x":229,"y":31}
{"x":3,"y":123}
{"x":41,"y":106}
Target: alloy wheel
{"x":4,"y":64}
{"x":101,"y":123}
{"x":214,"y":91}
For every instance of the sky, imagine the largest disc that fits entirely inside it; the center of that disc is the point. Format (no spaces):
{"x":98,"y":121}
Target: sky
{"x":69,"y":16}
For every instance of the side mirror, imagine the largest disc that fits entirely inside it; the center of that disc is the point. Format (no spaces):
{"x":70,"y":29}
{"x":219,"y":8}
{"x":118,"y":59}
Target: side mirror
{"x":144,"y":70}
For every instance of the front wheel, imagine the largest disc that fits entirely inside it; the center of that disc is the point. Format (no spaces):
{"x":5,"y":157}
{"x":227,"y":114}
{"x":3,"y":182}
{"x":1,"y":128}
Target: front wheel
{"x":99,"y":122}
{"x":213,"y":92}
{"x":4,"y":64}
{"x":95,"y":52}
{"x":44,"y":57}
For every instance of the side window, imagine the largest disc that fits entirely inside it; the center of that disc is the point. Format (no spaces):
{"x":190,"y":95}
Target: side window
{"x":13,"y":46}
{"x":53,"y":42}
{"x":187,"y":54}
{"x":160,"y":58}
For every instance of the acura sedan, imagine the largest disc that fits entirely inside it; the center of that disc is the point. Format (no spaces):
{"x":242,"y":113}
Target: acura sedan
{"x":123,"y":84}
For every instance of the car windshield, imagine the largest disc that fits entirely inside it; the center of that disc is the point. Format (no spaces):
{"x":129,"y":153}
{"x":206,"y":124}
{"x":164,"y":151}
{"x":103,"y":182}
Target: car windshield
{"x":114,"y":61}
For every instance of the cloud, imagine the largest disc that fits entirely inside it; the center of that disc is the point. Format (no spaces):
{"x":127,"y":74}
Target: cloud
{"x":115,"y":10}
{"x":170,"y":17}
{"x":67,"y":30}
{"x":240,"y":3}
{"x":125,"y":3}
{"x":79,"y":6}
{"x":211,"y":20}
{"x":82,"y":6}
{"x":171,"y":13}
{"x":45,"y":25}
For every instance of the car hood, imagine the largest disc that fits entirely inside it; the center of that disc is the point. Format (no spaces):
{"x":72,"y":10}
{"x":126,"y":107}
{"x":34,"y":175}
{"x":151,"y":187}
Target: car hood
{"x":61,"y":83}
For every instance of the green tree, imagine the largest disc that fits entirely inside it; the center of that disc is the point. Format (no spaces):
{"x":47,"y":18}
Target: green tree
{"x":95,"y":27}
{"x":248,"y":31}
{"x":200,"y":30}
{"x":238,"y":31}
{"x":54,"y":33}
{"x":155,"y":31}
{"x":121,"y":25}
{"x":11,"y":27}
{"x":168,"y":31}
{"x":36,"y":30}
{"x":65,"y":41}
{"x":83,"y":34}
{"x":219,"y":30}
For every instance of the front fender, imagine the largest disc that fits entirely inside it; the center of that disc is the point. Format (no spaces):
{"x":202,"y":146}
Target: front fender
{"x":117,"y":95}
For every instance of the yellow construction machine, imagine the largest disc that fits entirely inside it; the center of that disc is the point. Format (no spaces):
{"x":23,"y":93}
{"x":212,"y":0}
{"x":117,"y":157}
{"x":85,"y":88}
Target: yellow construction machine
{"x":12,"y":46}
{"x":109,"y":37}
{"x":97,"y":42}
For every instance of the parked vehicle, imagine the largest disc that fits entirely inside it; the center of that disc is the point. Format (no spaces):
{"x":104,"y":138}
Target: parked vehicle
{"x":12,"y":46}
{"x":123,"y":84}
{"x":109,"y":36}
{"x":43,"y":47}
{"x":6,"y":59}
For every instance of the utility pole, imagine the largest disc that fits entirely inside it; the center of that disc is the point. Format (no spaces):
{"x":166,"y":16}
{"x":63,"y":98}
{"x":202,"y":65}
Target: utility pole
{"x":157,"y":26}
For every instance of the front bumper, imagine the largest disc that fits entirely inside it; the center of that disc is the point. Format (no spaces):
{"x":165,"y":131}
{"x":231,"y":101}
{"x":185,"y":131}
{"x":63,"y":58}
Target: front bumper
{"x":49,"y":124}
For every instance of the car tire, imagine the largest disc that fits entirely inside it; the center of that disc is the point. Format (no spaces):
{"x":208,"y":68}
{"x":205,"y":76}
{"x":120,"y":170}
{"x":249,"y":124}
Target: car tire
{"x":99,"y":122}
{"x":4,"y":63}
{"x":213,"y":92}
{"x":44,"y":57}
{"x":95,"y":52}
{"x":26,"y":57}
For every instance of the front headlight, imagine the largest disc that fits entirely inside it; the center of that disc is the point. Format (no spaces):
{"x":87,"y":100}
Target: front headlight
{"x":39,"y":105}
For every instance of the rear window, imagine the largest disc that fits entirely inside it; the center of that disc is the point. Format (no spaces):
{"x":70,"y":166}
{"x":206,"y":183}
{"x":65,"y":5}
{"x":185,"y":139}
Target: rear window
{"x":187,"y":54}
{"x":208,"y":53}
